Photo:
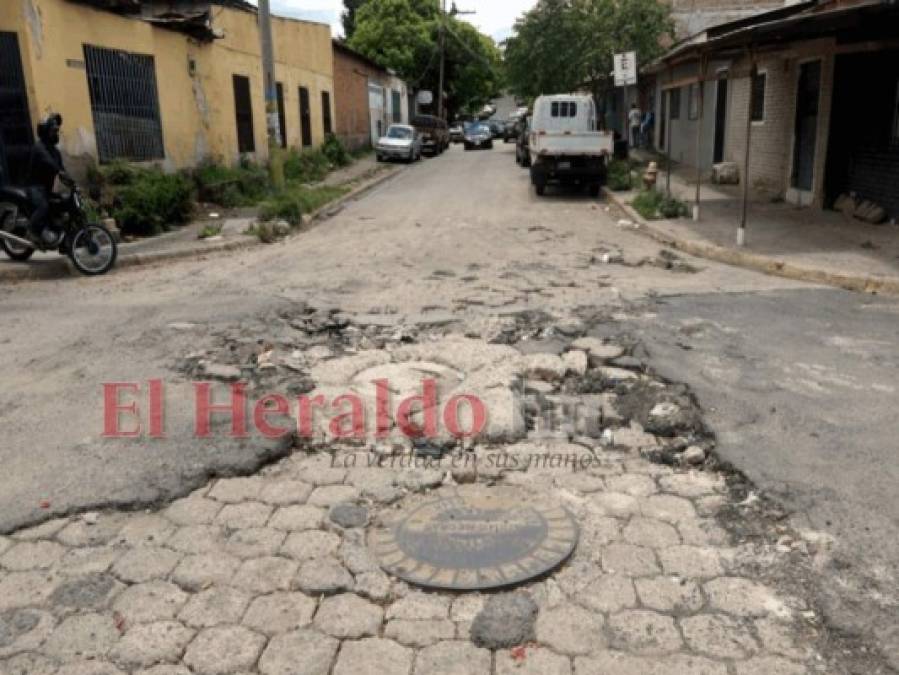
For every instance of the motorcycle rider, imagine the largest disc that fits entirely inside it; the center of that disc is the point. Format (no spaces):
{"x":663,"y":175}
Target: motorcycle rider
{"x":44,"y":166}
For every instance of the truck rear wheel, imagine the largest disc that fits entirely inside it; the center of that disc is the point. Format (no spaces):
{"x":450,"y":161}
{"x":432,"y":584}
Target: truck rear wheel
{"x":540,"y":187}
{"x":594,"y":189}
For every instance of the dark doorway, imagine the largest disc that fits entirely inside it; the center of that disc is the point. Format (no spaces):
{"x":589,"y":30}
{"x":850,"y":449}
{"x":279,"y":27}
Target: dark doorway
{"x":243,"y":108}
{"x":305,"y":117}
{"x":720,"y":120}
{"x":806,"y":129}
{"x":15,"y":122}
{"x":863,"y":144}
{"x":282,"y":123}
{"x":326,"y":112}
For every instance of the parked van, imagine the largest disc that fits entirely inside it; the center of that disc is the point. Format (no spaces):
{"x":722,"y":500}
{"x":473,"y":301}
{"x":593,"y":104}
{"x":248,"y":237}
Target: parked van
{"x":565,"y":147}
{"x":434,"y":133}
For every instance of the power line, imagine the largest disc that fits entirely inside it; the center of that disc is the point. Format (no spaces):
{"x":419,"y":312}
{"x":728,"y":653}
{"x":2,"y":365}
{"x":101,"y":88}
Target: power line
{"x":444,"y":28}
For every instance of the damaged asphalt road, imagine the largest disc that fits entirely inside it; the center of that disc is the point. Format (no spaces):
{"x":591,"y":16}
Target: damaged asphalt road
{"x":413,"y":257}
{"x":800,"y":388}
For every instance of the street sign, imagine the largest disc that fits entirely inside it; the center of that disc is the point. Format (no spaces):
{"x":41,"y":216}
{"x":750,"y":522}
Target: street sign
{"x":425,"y":97}
{"x":625,"y":69}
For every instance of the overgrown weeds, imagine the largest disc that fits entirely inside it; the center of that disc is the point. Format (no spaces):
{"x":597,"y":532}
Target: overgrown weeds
{"x":620,"y":177}
{"x":243,"y":185}
{"x":296,"y":200}
{"x":653,"y":205}
{"x":143,"y":201}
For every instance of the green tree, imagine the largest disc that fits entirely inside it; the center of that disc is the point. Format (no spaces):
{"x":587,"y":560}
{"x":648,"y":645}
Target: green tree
{"x":562,"y":45}
{"x":403,"y":35}
{"x":348,"y":17}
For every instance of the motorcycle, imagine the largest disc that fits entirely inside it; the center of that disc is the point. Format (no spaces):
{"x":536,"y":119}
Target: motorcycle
{"x":90,"y":246}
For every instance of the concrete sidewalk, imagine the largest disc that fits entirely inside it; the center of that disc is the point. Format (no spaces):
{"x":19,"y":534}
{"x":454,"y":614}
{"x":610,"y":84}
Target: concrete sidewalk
{"x":185,"y":242}
{"x":808,"y":244}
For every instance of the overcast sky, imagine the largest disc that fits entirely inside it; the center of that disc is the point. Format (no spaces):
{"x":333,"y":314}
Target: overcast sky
{"x":493,"y":17}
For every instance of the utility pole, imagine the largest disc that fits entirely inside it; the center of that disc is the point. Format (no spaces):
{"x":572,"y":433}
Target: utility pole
{"x":442,"y":42}
{"x":442,"y":45}
{"x":271,"y":94}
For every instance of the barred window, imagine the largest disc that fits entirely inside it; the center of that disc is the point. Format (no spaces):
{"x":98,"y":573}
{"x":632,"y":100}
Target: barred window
{"x":124,"y":104}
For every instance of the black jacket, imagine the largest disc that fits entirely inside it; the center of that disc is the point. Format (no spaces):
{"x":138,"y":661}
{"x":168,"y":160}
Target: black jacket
{"x":44,"y":165}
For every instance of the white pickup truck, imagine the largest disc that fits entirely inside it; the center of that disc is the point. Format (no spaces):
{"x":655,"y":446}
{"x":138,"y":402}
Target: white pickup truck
{"x":565,"y":146}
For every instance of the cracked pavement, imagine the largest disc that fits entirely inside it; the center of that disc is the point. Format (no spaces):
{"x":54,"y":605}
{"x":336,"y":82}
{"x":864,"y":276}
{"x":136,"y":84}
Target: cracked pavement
{"x":680,"y":568}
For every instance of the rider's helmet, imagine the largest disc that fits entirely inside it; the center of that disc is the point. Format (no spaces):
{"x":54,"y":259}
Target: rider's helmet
{"x":48,"y":129}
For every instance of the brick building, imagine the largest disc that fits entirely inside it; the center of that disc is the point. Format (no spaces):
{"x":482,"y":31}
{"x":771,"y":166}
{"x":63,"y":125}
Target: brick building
{"x":811,"y":90}
{"x":368,"y":98}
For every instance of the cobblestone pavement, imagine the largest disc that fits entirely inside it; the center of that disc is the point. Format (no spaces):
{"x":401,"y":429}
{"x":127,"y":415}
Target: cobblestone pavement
{"x":271,"y":573}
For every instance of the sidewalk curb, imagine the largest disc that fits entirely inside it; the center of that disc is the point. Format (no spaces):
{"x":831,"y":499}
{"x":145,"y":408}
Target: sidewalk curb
{"x":758,"y":262}
{"x":62,"y":267}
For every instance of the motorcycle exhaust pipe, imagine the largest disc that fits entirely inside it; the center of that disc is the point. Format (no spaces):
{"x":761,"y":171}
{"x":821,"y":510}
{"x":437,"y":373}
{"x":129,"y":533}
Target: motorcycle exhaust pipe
{"x":16,"y":240}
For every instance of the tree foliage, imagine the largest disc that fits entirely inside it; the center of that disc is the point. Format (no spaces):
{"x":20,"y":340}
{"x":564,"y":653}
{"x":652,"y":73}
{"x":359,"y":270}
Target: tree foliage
{"x":348,"y":17}
{"x":403,"y":35}
{"x":563,"y":45}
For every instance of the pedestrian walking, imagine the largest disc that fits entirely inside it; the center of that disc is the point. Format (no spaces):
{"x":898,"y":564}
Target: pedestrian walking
{"x":634,"y":118}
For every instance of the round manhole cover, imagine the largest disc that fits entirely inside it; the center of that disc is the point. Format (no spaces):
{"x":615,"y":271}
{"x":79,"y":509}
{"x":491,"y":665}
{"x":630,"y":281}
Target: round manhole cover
{"x":476,"y":538}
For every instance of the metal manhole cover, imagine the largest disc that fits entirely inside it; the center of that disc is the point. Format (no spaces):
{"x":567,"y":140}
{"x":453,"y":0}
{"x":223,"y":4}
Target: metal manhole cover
{"x":476,"y":539}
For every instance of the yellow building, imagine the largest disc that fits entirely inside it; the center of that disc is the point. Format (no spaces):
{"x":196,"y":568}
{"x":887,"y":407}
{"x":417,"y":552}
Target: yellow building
{"x":143,"y":86}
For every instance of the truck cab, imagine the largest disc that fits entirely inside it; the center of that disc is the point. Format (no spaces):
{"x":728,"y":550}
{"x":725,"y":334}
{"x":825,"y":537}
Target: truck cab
{"x":565,"y":146}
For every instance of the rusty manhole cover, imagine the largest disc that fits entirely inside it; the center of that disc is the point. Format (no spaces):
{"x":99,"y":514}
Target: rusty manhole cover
{"x":476,"y":538}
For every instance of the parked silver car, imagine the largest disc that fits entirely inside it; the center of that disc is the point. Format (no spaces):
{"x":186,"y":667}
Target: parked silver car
{"x":400,"y":142}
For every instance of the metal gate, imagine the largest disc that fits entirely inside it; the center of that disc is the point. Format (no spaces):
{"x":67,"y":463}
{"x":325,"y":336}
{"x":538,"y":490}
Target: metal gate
{"x":15,"y":122}
{"x":125,"y":104}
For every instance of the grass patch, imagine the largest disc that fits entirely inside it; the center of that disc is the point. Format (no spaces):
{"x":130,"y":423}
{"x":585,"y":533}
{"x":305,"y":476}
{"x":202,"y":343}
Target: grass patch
{"x":146,"y":201}
{"x":620,"y":178}
{"x":310,"y":166}
{"x":211,"y":230}
{"x":143,"y":201}
{"x":296,"y":200}
{"x":654,"y":205}
{"x":243,"y":185}
{"x":335,"y":151}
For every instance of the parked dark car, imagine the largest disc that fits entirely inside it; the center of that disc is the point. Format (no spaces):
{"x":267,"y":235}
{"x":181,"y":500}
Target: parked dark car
{"x":497,"y":128}
{"x":477,"y":136}
{"x":434,"y":133}
{"x":511,"y":131}
{"x":522,"y":145}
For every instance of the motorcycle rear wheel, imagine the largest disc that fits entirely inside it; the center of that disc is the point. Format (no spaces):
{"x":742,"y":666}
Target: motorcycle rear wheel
{"x":93,"y":250}
{"x":17,"y":252}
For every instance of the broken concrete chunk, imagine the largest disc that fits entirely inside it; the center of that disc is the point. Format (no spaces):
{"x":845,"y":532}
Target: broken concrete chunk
{"x":575,"y":361}
{"x":221,"y":371}
{"x":726,"y":173}
{"x":599,"y":351}
{"x":694,"y":455}
{"x":546,"y":367}
{"x":506,"y":621}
